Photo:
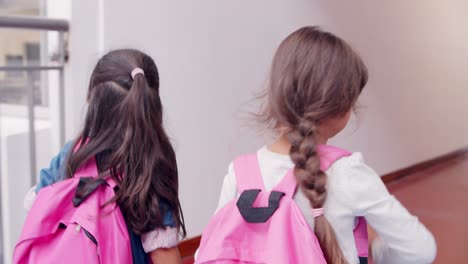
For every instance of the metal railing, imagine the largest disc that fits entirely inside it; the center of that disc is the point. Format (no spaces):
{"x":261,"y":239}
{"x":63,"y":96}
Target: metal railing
{"x":34,"y":23}
{"x":45,"y":24}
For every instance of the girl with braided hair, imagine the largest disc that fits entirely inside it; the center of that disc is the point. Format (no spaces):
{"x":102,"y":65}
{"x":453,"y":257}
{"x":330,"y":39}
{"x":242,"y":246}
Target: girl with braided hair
{"x":315,"y":81}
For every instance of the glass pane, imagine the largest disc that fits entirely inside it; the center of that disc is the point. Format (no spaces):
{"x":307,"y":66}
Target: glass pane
{"x":23,"y":56}
{"x":31,"y":78}
{"x":26,"y":48}
{"x":20,"y":7}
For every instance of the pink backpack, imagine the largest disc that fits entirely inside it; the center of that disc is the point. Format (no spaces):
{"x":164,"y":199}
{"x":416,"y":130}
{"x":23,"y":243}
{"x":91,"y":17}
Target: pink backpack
{"x":268,"y":227}
{"x":62,"y":228}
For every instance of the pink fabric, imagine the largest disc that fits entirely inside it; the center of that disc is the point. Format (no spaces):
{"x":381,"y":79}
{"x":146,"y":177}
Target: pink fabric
{"x":361,"y":237}
{"x":284,"y":238}
{"x":316,"y":212}
{"x":328,"y":155}
{"x":248,"y":165}
{"x":42,"y":240}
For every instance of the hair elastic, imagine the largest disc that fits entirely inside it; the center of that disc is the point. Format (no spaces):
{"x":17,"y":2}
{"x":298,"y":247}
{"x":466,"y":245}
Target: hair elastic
{"x":316,"y":212}
{"x":137,"y":71}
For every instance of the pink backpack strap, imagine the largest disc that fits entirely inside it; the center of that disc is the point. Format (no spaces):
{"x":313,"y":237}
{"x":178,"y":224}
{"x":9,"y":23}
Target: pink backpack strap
{"x":249,"y":176}
{"x":288,"y":184}
{"x":328,"y":155}
{"x":247,"y":171}
{"x":250,"y":184}
{"x":361,"y":237}
{"x":89,"y":169}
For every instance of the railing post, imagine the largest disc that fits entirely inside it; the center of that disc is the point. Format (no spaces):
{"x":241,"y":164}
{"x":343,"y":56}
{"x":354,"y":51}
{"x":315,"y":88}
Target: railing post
{"x":2,"y":240}
{"x":32,"y":127}
{"x":61,"y":90}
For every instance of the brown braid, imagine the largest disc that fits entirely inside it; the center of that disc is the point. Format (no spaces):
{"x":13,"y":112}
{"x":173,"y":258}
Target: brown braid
{"x":313,"y":182}
{"x":314,"y":76}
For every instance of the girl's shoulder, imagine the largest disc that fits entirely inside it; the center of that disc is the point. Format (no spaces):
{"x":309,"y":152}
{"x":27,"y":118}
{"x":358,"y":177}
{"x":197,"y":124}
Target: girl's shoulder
{"x":352,"y":177}
{"x":354,"y":159}
{"x":62,"y":155}
{"x":348,"y":167}
{"x":352,"y":168}
{"x":55,"y":171}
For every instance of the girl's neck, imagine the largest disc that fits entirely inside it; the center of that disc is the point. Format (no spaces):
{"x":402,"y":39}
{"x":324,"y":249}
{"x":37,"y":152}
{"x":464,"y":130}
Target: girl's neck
{"x":282,"y":145}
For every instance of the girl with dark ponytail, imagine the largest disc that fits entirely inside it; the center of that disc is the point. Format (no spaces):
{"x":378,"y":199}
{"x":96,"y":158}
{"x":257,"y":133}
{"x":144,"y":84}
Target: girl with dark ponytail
{"x":315,"y":81}
{"x":124,"y":131}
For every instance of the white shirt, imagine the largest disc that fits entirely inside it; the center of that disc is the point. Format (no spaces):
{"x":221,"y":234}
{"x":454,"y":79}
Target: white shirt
{"x":354,"y":189}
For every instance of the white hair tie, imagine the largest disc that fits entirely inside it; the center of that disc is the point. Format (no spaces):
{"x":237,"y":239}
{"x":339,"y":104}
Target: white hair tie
{"x":137,"y":71}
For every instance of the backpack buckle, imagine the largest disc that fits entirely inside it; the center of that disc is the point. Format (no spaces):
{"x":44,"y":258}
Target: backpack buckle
{"x":257,"y":214}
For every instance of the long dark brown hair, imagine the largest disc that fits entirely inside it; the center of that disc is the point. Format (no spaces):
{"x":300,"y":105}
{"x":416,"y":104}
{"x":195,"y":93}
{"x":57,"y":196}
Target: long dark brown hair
{"x":124,"y":131}
{"x":314,"y":76}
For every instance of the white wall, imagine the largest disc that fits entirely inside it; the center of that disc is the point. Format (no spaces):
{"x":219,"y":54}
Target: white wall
{"x":414,"y":107}
{"x":213,"y":55}
{"x":15,"y":179}
{"x":59,"y":9}
{"x":84,"y":52}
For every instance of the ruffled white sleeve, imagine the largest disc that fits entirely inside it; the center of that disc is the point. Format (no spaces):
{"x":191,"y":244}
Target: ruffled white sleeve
{"x":29,"y":198}
{"x":160,"y":238}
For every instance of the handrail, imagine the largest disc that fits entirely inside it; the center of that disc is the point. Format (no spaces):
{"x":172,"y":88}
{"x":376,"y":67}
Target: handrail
{"x":34,"y":23}
{"x":47,"y":24}
{"x":30,"y":68}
